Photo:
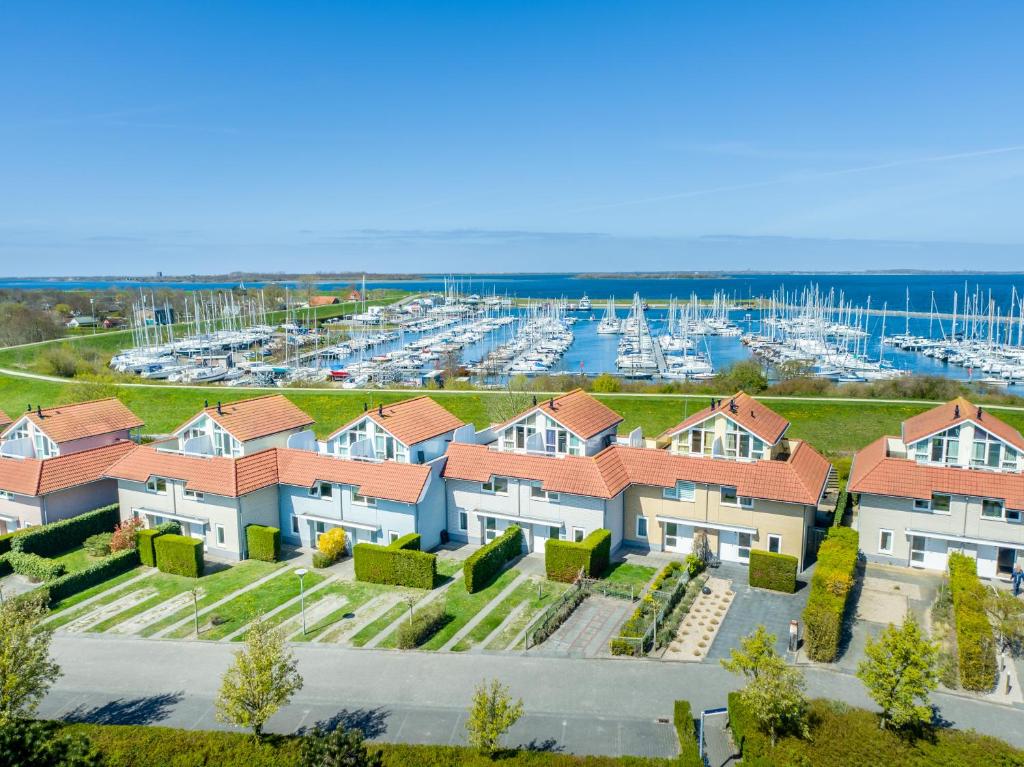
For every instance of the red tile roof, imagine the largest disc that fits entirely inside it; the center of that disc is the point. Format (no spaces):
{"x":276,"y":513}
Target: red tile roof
{"x":32,"y":476}
{"x":877,"y":473}
{"x":956,"y":412}
{"x":257,"y":417}
{"x":234,"y":477}
{"x":753,"y":416}
{"x":577,"y":411}
{"x":411,"y":420}
{"x":5,"y":420}
{"x":65,"y":423}
{"x":800,"y":479}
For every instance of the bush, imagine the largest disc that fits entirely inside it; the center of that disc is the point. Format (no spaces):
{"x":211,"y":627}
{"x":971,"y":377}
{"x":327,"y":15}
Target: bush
{"x":689,"y":755}
{"x":976,"y":646}
{"x":126,"y":534}
{"x":321,"y":560}
{"x":179,"y":555}
{"x":5,"y":540}
{"x":424,"y":624}
{"x":98,"y":545}
{"x":169,"y":527}
{"x":264,"y":543}
{"x":80,"y":580}
{"x":394,"y":565}
{"x":830,"y":586}
{"x":563,"y":560}
{"x":58,"y":537}
{"x":34,"y":567}
{"x":772,"y":571}
{"x":146,"y":544}
{"x":409,"y":542}
{"x":486,"y":562}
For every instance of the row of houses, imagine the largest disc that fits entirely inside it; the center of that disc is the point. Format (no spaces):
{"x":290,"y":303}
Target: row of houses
{"x":724,"y":481}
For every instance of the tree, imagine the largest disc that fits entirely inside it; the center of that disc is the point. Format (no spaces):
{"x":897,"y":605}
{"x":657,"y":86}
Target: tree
{"x":493,"y":712}
{"x":263,"y":678}
{"x":774,"y":695}
{"x":340,"y":748}
{"x":743,"y":376}
{"x":606,"y":382}
{"x":513,"y":401}
{"x":755,"y":655}
{"x":1007,"y":614}
{"x":900,"y":670}
{"x":34,"y":744}
{"x":26,"y":671}
{"x":126,"y":534}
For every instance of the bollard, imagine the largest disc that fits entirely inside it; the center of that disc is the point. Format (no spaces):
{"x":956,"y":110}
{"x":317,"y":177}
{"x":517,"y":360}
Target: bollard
{"x":794,"y":635}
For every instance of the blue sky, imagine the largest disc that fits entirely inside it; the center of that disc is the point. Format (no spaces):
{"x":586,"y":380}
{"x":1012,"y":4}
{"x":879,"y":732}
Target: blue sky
{"x":206,"y":137}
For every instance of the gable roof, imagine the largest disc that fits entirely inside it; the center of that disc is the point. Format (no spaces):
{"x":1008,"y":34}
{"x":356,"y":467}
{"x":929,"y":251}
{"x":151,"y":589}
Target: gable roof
{"x":875,"y":472}
{"x":65,"y":423}
{"x":411,"y":420}
{"x":746,"y":411}
{"x":256,"y":417}
{"x":577,"y":411}
{"x":799,"y":479}
{"x":35,"y":477}
{"x":234,"y":477}
{"x":5,"y":420}
{"x":954,"y":413}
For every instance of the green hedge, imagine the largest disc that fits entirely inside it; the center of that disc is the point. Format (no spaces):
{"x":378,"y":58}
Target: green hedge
{"x":58,"y":537}
{"x":975,"y":644}
{"x":486,"y":562}
{"x":145,"y":541}
{"x":833,"y":579}
{"x":768,"y":570}
{"x":34,"y":567}
{"x":423,"y":625}
{"x":179,"y":555}
{"x":5,"y":540}
{"x":686,"y":731}
{"x":396,"y":565}
{"x":563,"y":560}
{"x":80,"y":580}
{"x":264,"y":543}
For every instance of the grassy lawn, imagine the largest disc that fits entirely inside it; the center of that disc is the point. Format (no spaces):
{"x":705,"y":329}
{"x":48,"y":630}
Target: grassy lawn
{"x":76,"y":559}
{"x":240,"y":610}
{"x":536,"y":603}
{"x":525,"y":592}
{"x":462,"y":606}
{"x":357,"y":595}
{"x":99,"y":588}
{"x":625,"y":575}
{"x":372,"y":629}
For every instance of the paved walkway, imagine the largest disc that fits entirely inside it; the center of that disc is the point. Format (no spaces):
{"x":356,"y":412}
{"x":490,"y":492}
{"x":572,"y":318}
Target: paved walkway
{"x":586,"y":632}
{"x":587,"y":706}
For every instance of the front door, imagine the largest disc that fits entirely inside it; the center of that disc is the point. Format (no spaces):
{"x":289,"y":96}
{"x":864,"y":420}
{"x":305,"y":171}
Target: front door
{"x":678,"y":538}
{"x":917,"y":550}
{"x":734,"y":547}
{"x":1005,"y":561}
{"x":490,"y":529}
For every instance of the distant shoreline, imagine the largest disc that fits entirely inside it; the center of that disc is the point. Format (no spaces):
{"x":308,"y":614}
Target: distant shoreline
{"x":652,"y":276}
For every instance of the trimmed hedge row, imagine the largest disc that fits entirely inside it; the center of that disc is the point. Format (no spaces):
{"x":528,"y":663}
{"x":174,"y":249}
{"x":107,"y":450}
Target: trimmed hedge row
{"x":264,"y":543}
{"x":400,"y":564}
{"x":483,"y":564}
{"x":34,"y":567}
{"x":58,"y":537}
{"x":423,"y":625}
{"x":833,"y":579}
{"x":976,"y":647}
{"x":686,"y":731}
{"x":145,"y":541}
{"x":179,"y":555}
{"x":773,"y":571}
{"x":80,"y":580}
{"x":5,"y":540}
{"x":563,"y":560}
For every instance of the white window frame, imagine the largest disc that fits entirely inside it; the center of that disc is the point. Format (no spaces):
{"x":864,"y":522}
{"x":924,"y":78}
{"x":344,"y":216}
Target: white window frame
{"x":363,"y":500}
{"x":220,"y":534}
{"x":491,"y":486}
{"x":641,"y":520}
{"x":743,"y":549}
{"x":735,"y":494}
{"x":537,"y":491}
{"x":582,"y":534}
{"x":557,"y":533}
{"x":745,"y":501}
{"x":778,"y":538}
{"x":393,"y":536}
{"x":6,"y":495}
{"x":1002,"y":508}
{"x":490,"y":529}
{"x":153,"y":485}
{"x":193,"y":495}
{"x":922,"y":504}
{"x":882,"y":532}
{"x":463,"y":521}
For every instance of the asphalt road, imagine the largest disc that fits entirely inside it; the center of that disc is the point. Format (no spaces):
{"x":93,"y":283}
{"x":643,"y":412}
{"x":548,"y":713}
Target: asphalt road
{"x":578,"y":705}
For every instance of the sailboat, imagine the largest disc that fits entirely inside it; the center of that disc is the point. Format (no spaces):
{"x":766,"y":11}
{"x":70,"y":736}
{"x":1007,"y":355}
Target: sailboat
{"x":610,"y":323}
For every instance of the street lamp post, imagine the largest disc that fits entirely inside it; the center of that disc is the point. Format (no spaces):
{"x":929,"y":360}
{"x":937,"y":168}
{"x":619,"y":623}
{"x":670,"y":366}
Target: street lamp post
{"x":301,"y":572}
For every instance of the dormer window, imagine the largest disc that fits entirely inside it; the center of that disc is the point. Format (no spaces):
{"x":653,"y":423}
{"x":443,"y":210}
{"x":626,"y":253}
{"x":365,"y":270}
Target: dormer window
{"x":741,"y":444}
{"x":157,"y":485}
{"x":496,"y":486}
{"x":941,"y":448}
{"x":701,"y":440}
{"x":322,"y":490}
{"x":989,"y":452}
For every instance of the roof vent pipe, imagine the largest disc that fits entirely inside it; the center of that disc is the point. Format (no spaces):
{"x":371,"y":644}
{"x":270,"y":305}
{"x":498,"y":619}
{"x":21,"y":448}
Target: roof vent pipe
{"x":979,"y":412}
{"x":219,"y":411}
{"x":366,"y":406}
{"x":29,"y":408}
{"x":956,"y":411}
{"x":712,"y":403}
{"x":380,"y":410}
{"x":535,"y":400}
{"x":39,"y":411}
{"x":206,"y":404}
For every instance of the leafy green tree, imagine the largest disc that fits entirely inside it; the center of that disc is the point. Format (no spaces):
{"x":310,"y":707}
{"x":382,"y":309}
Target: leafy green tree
{"x":35,"y":744}
{"x":493,"y":712}
{"x":606,"y":382}
{"x":745,"y":376}
{"x":340,"y":748}
{"x":1007,"y":615}
{"x":263,"y":678}
{"x":900,"y":670}
{"x":774,"y":695}
{"x":26,"y":670}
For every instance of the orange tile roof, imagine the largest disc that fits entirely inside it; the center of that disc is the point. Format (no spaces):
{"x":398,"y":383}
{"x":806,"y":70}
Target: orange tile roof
{"x":800,"y":479}
{"x":323,"y":300}
{"x":753,"y":416}
{"x":577,"y":411}
{"x":956,"y":412}
{"x":234,"y":477}
{"x":32,"y":476}
{"x":875,"y":472}
{"x":257,"y":417}
{"x":5,"y":420}
{"x":65,"y":423}
{"x":411,"y":420}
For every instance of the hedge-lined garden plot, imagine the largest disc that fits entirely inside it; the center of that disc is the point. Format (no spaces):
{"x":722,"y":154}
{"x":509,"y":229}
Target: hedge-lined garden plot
{"x":462,"y":606}
{"x":521,"y":599}
{"x":535,"y":604}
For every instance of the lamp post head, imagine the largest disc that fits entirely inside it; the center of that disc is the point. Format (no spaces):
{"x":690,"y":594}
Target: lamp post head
{"x":301,"y":571}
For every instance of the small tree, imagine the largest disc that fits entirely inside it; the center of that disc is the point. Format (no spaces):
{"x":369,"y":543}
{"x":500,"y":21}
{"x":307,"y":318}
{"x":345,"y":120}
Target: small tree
{"x":263,"y":678}
{"x":493,"y":712}
{"x":26,"y":671}
{"x":126,"y":534}
{"x":755,"y":655}
{"x":340,"y":748}
{"x":900,"y":670}
{"x":332,"y":543}
{"x":1007,"y":614}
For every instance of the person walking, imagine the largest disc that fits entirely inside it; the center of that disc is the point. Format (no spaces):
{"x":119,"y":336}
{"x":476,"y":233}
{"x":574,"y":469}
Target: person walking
{"x":1017,"y":579}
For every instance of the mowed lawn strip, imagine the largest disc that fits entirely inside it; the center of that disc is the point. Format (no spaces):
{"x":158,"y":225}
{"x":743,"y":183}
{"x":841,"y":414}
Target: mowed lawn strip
{"x":215,"y":587}
{"x":493,"y":619}
{"x":68,"y":602}
{"x":245,"y":607}
{"x":166,"y":586}
{"x":550,"y":591}
{"x":462,"y":606}
{"x":76,"y":559}
{"x":624,"y":575}
{"x":369,"y":631}
{"x":356,"y":594}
